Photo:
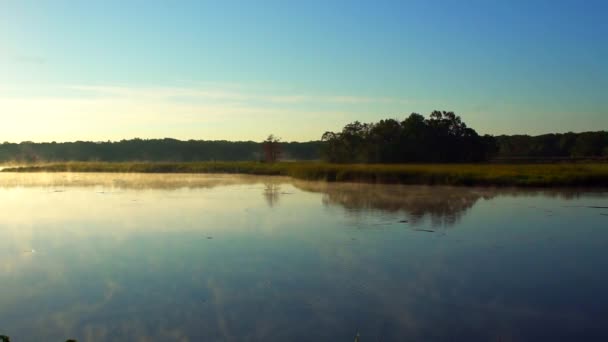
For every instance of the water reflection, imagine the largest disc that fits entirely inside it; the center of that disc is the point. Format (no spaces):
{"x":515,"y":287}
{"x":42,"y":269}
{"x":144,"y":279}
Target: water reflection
{"x":110,"y":181}
{"x":127,"y":257}
{"x":418,"y":205}
{"x":442,"y":206}
{"x":272,"y":192}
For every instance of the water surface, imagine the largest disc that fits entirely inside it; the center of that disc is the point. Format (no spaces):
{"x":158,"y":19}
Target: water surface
{"x":242,"y":258}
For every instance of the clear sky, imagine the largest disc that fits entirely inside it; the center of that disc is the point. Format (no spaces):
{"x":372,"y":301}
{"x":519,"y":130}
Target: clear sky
{"x":107,"y":70}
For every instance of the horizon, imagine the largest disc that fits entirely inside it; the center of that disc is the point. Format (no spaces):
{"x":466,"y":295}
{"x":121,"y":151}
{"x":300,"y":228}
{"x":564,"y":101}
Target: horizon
{"x":239,"y":170}
{"x":281,"y":140}
{"x":83,"y":71}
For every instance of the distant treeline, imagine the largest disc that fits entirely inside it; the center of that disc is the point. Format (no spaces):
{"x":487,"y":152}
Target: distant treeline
{"x":441,"y":138}
{"x":566,"y":145}
{"x":152,"y":150}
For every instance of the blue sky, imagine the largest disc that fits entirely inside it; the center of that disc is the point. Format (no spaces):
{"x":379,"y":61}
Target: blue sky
{"x":99,"y":70}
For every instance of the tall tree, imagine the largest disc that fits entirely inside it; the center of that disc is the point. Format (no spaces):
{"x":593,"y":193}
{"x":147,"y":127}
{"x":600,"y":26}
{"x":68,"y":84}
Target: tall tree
{"x":272,"y":149}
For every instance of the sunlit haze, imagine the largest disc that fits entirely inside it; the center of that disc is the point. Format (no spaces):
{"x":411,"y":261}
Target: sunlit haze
{"x":111,"y":70}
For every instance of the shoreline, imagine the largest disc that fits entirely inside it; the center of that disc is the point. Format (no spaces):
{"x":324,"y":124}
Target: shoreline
{"x":517,"y":175}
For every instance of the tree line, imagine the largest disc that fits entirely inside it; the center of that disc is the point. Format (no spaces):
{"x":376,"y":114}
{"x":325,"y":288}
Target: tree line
{"x":152,"y":150}
{"x":566,"y":145}
{"x":444,"y":137}
{"x":441,"y":138}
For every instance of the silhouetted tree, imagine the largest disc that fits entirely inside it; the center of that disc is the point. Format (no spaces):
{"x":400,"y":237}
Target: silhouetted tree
{"x":272,"y":149}
{"x":586,"y":144}
{"x":443,"y":137}
{"x":151,"y":150}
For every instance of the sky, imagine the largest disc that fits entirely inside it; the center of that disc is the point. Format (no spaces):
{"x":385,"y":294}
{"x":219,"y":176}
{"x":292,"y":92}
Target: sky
{"x":240,"y":70}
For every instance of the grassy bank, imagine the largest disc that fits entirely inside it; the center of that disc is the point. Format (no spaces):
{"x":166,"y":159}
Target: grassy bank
{"x":542,"y":175}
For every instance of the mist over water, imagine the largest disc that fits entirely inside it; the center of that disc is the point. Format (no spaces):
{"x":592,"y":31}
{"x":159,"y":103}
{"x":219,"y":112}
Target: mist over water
{"x":98,"y":257}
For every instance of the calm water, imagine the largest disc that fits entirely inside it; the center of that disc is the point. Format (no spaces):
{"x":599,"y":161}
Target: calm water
{"x":224,"y":258}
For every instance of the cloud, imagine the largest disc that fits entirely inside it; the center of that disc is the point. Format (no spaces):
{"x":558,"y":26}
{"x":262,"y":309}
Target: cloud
{"x":217,"y":93}
{"x":208,"y":111}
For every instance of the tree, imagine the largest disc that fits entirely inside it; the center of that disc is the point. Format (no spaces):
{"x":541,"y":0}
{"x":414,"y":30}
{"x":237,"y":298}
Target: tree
{"x":272,"y":149}
{"x":165,"y":150}
{"x":443,"y":137}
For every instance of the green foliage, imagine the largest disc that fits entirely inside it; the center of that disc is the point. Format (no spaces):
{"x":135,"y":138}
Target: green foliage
{"x":567,"y":145}
{"x":539,"y":175}
{"x":443,"y":137}
{"x":151,"y":150}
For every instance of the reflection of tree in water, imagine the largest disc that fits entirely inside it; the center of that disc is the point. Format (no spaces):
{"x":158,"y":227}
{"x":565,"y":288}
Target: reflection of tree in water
{"x":442,"y":205}
{"x":272,"y":192}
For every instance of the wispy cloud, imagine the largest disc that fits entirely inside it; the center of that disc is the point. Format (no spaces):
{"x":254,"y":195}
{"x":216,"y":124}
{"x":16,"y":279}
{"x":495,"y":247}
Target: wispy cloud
{"x":217,"y":93}
{"x":100,"y":112}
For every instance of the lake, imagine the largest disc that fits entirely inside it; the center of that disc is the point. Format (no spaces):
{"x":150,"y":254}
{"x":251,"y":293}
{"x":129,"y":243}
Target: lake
{"x":102,"y":257}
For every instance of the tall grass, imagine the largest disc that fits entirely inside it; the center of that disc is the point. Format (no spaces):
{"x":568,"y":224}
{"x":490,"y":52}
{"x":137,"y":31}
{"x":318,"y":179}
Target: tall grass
{"x":538,"y":175}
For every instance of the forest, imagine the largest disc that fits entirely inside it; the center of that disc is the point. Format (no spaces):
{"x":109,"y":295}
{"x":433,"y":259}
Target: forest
{"x":152,"y":150}
{"x":443,"y":137}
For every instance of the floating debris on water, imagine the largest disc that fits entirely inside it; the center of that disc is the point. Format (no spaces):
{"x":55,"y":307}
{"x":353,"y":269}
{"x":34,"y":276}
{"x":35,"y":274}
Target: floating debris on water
{"x":209,"y":237}
{"x":424,"y":230}
{"x":404,"y":221}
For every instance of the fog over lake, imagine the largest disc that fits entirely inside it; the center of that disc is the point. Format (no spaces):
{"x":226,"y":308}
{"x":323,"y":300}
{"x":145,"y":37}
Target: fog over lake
{"x":159,"y":257}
